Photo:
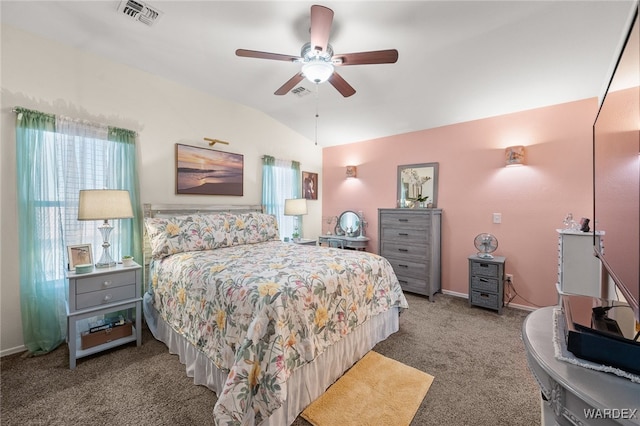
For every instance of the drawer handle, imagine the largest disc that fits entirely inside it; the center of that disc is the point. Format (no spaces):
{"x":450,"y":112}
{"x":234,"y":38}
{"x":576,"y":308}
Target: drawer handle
{"x":107,"y":283}
{"x":403,"y":220}
{"x":402,"y":249}
{"x":403,"y":282}
{"x":484,"y":295}
{"x":483,"y":280}
{"x":107,"y":298}
{"x":404,"y":234}
{"x":404,"y":266}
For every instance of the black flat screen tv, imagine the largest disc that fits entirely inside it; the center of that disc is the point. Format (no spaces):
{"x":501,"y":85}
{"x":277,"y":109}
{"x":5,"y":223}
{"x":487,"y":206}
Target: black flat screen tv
{"x":616,"y":171}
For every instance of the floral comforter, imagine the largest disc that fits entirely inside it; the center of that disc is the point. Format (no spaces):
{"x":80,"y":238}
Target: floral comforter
{"x":260,"y":311}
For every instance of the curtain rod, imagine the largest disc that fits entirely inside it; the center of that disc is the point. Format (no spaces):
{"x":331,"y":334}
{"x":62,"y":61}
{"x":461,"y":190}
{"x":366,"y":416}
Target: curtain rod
{"x":17,"y":109}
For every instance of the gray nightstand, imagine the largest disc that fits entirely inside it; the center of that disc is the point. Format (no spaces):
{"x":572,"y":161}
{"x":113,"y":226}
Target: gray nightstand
{"x":101,"y":292}
{"x":486,"y":282}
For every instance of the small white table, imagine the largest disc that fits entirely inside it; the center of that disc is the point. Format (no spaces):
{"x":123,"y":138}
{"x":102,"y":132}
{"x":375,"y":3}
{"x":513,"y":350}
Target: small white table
{"x":570,"y":391}
{"x":103,"y":291}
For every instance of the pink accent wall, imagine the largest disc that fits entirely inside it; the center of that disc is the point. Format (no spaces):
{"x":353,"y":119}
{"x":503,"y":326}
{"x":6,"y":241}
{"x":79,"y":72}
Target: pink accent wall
{"x":473,"y":184}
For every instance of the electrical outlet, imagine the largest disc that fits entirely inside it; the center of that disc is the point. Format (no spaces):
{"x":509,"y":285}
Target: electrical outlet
{"x":508,"y":278}
{"x":497,"y":218}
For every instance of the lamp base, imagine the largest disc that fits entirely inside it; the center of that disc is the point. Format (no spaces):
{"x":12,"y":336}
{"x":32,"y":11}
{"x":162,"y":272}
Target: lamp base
{"x":106,"y":261}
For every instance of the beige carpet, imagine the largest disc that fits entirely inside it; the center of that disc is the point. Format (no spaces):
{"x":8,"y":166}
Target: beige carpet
{"x":376,"y":391}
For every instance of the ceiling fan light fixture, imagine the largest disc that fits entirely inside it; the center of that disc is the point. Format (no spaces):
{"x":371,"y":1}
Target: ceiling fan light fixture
{"x":317,"y":71}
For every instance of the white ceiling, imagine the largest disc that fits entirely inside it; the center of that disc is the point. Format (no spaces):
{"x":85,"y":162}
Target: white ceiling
{"x":458,"y":60}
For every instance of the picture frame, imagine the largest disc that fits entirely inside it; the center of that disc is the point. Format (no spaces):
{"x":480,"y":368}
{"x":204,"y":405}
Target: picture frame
{"x":204,"y":171}
{"x":79,"y":254}
{"x":310,"y":185}
{"x":418,"y":181}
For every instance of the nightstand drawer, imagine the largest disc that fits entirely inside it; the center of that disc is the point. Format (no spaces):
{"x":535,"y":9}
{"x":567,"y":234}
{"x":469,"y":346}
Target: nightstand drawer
{"x":485,"y":269}
{"x":104,"y":282}
{"x":104,"y":297}
{"x":487,"y":300}
{"x":484,"y":284}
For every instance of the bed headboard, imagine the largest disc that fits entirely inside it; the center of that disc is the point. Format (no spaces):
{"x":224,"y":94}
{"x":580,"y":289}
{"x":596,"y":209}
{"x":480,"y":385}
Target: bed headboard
{"x":169,"y":210}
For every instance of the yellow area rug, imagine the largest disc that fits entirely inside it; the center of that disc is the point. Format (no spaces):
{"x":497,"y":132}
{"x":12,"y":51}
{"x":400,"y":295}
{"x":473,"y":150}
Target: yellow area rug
{"x":376,"y":391}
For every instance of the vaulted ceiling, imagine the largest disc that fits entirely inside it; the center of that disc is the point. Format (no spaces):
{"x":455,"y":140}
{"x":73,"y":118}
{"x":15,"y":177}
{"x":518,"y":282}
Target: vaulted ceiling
{"x":458,"y":60}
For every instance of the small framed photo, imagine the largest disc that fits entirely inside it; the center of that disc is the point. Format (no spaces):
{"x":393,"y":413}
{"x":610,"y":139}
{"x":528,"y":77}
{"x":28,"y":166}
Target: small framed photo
{"x":310,"y":185}
{"x":79,"y":254}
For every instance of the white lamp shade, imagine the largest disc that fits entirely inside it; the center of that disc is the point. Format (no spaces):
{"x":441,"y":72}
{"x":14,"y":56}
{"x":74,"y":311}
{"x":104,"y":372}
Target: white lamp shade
{"x":317,"y":71}
{"x":104,"y":204}
{"x":295,"y":206}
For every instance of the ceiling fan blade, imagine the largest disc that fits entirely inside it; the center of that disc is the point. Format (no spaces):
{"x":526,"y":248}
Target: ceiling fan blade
{"x":286,"y":88}
{"x":341,"y":85}
{"x":321,"y":20}
{"x":363,"y":58}
{"x":266,"y":55}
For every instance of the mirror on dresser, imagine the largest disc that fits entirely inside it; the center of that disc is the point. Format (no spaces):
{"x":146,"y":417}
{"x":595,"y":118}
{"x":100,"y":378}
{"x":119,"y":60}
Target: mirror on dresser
{"x":418,"y":183}
{"x":348,"y":224}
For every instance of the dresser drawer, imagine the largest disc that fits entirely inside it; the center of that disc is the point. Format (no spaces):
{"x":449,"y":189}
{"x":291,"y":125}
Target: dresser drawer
{"x":104,"y":282}
{"x":410,"y":252}
{"x":484,"y":284}
{"x":403,"y":235}
{"x":414,"y":285}
{"x":485,"y":269}
{"x":405,"y":268}
{"x":406,"y":220}
{"x":105,"y":297}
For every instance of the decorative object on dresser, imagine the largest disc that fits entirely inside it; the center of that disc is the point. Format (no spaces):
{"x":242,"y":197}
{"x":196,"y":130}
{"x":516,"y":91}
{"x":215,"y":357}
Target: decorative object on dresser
{"x":104,"y":204}
{"x":410,"y":240}
{"x":486,"y":282}
{"x":579,"y":271}
{"x":100,"y":293}
{"x":418,"y":185}
{"x":204,"y":171}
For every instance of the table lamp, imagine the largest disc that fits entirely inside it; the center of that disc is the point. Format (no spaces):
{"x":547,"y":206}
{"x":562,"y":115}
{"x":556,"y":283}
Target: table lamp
{"x":295,"y":207}
{"x":104,"y":204}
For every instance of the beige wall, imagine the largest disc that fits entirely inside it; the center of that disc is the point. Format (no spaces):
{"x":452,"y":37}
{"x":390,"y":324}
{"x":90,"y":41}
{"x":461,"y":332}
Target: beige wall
{"x":46,"y":76}
{"x":474,"y":184}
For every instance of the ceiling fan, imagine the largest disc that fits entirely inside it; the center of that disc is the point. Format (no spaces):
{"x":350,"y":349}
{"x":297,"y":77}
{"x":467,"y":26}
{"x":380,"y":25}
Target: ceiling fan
{"x":317,"y":57}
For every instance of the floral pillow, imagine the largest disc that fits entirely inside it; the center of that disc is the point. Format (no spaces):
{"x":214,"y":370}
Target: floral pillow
{"x":197,"y":232}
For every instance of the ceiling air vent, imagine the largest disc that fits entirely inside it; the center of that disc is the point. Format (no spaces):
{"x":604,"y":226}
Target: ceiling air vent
{"x":139,"y":11}
{"x":301,"y":91}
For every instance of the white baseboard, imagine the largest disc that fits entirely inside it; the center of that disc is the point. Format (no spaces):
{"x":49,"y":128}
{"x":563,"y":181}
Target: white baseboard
{"x":12,"y":351}
{"x":511,"y":305}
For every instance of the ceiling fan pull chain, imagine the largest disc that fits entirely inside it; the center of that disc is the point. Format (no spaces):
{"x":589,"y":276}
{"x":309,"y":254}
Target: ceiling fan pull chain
{"x":317,"y":97}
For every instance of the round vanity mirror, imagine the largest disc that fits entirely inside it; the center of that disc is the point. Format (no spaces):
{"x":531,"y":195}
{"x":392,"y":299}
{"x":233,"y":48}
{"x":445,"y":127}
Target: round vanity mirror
{"x":349,"y":223}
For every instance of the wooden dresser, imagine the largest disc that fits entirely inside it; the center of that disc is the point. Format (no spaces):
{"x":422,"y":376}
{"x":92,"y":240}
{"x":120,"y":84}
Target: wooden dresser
{"x":410,"y":241}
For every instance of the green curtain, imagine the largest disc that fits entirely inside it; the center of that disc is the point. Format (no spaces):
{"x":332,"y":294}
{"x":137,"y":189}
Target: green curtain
{"x":56,"y":157}
{"x":40,"y":234}
{"x":281,"y":179}
{"x":269,"y":193}
{"x":124,"y":156}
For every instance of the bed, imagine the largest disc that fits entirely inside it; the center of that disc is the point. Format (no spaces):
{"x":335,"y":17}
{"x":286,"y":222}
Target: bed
{"x":267,"y":325}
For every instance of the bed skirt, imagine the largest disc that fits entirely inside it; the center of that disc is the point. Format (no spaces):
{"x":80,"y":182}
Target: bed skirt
{"x":306,"y":383}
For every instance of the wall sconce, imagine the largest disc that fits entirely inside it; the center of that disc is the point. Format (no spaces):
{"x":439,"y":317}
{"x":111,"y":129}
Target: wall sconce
{"x":352,"y":171}
{"x":514,"y":155}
